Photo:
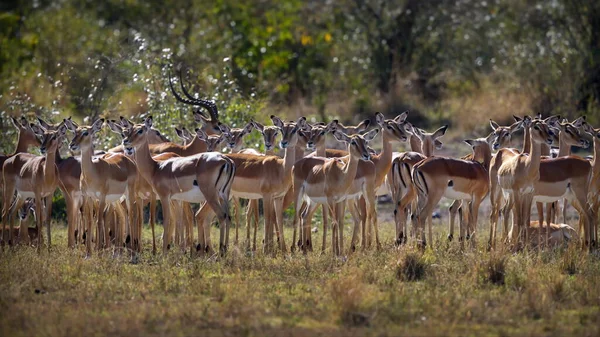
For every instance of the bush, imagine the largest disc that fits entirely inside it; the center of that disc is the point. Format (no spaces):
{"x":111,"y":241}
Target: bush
{"x":412,"y":267}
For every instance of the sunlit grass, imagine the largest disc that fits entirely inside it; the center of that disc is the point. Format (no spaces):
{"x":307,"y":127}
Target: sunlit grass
{"x":458,"y":293}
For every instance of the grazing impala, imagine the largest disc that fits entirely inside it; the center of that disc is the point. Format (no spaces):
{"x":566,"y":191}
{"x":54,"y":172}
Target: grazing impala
{"x":197,"y":178}
{"x":32,"y":176}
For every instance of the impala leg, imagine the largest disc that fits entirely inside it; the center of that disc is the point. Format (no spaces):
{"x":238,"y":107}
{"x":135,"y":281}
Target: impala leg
{"x":167,"y":217}
{"x":7,"y":209}
{"x":453,"y":211}
{"x":151,"y":219}
{"x":47,"y":213}
{"x":278,"y":209}
{"x":325,"y":216}
{"x":356,"y":221}
{"x":339,"y":210}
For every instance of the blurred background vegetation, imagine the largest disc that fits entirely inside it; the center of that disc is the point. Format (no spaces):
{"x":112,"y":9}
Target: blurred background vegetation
{"x":457,"y":62}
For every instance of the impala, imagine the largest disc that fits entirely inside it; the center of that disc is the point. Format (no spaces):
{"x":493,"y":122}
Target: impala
{"x":457,"y":179}
{"x":31,"y":176}
{"x":268,"y":178}
{"x":326,"y":181}
{"x":594,"y":185}
{"x":517,"y":175}
{"x":105,"y":180}
{"x":201,"y":177}
{"x":403,"y":193}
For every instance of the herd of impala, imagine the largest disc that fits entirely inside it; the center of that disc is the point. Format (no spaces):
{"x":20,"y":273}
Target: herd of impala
{"x":105,"y":192}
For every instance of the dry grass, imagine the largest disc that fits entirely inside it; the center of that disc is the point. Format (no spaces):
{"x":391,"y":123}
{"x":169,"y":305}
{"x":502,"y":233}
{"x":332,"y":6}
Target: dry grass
{"x":60,"y":293}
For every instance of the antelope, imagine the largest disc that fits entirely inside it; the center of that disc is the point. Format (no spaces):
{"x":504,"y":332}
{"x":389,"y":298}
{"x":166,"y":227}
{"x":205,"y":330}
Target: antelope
{"x":269,"y":178}
{"x":185,"y":135}
{"x":326,"y":181}
{"x":568,"y":136}
{"x":155,"y":137}
{"x":26,"y":139}
{"x":27,"y":208}
{"x":106,"y":180}
{"x":499,"y":138}
{"x":32,"y":176}
{"x":594,"y":182}
{"x":518,"y":174}
{"x":234,"y":138}
{"x":353,"y":130}
{"x":457,"y":179}
{"x":211,"y":124}
{"x":269,"y":134}
{"x":403,"y":193}
{"x":201,"y":177}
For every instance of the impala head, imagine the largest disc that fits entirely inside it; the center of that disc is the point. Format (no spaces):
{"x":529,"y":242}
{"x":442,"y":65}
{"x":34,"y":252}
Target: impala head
{"x":50,"y":126}
{"x":136,"y":135}
{"x":269,"y":134}
{"x":27,"y":208}
{"x":429,"y":141}
{"x":185,"y":135}
{"x":234,"y":137}
{"x":289,"y":131}
{"x":84,"y":134}
{"x":50,"y":139}
{"x":594,"y":133}
{"x":211,"y":121}
{"x":26,"y":134}
{"x":395,"y":128}
{"x":358,"y":145}
{"x":315,"y":134}
{"x":571,"y":135}
{"x":154,"y":136}
{"x":352,"y":130}
{"x":541,"y":132}
{"x":212,"y":141}
{"x":502,"y":135}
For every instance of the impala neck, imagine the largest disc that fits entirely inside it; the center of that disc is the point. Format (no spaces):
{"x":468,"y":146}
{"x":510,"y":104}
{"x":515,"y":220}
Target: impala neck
{"x":299,"y":151}
{"x":535,"y":156}
{"x":484,"y":157}
{"x":415,"y":144}
{"x":564,"y":149}
{"x":50,"y":166}
{"x":321,"y":151}
{"x":527,"y":141}
{"x":596,"y":160}
{"x":87,"y":168}
{"x":351,"y":167}
{"x":22,"y":145}
{"x":289,"y":159}
{"x":195,"y":147}
{"x":383,"y":161}
{"x":146,"y":165}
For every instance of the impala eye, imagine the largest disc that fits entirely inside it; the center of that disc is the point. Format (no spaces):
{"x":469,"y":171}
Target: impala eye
{"x":140,"y":131}
{"x":322,"y":133}
{"x":353,"y":142}
{"x":85,"y":133}
{"x":389,"y":127}
{"x":536,"y":127}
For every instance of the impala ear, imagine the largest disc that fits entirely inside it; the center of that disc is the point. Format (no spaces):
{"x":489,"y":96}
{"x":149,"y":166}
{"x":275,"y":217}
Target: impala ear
{"x":342,"y":137}
{"x":438,"y":144}
{"x":471,"y":142}
{"x":148,"y":122}
{"x":579,"y":122}
{"x":97,"y":126}
{"x":369,"y":136}
{"x":62,"y":130}
{"x":71,"y":126}
{"x":494,"y":125}
{"x":248,"y":128}
{"x":15,"y":122}
{"x":332,"y":126}
{"x":43,"y":124}
{"x":179,"y":133}
{"x":126,"y":122}
{"x":379,"y":118}
{"x":362,"y":126}
{"x":24,"y":122}
{"x":114,"y":126}
{"x":224,"y":128}
{"x":517,"y":118}
{"x":277,"y":121}
{"x":199,"y":117}
{"x":257,"y":125}
{"x":201,"y":134}
{"x":38,"y":130}
{"x":440,"y":132}
{"x":401,"y":117}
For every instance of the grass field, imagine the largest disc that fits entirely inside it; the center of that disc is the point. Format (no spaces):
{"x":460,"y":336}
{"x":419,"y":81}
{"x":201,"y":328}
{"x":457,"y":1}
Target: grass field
{"x":441,"y":291}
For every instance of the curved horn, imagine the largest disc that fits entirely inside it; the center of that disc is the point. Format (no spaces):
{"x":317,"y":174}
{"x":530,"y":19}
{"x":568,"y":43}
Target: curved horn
{"x":208,"y":105}
{"x":179,"y":98}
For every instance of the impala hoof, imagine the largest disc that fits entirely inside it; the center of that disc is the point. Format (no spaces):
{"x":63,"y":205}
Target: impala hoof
{"x":468,"y":236}
{"x":198,"y":247}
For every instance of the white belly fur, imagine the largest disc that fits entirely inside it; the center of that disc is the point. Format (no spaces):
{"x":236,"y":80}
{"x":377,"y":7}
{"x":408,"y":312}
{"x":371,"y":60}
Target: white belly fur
{"x":192,"y":195}
{"x":451,"y":193}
